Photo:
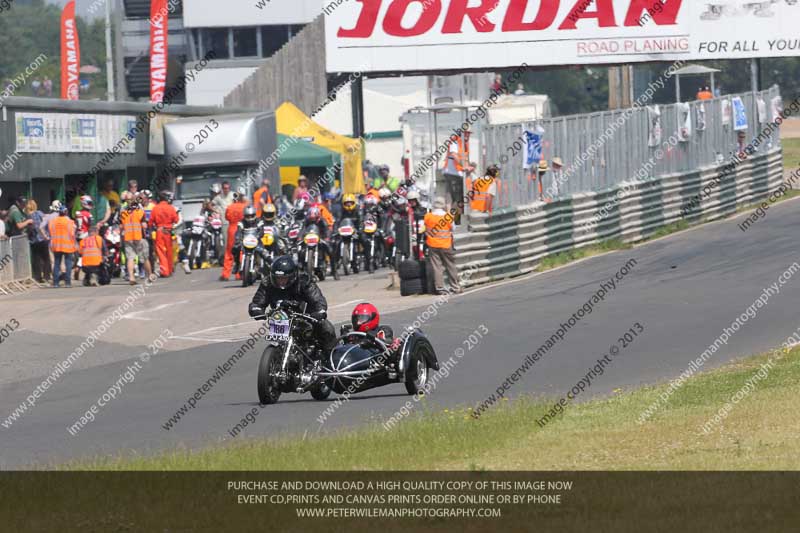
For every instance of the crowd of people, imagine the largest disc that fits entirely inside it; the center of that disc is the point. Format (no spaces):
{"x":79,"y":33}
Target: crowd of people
{"x":129,"y":231}
{"x":133,"y":233}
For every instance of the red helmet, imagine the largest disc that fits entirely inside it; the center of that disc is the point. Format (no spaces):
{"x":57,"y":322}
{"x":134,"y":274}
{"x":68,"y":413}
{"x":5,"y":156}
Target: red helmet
{"x":313,"y":214}
{"x":365,"y":317}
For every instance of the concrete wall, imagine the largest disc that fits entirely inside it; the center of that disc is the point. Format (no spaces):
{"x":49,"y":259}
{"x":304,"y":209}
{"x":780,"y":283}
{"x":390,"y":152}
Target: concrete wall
{"x":295,"y":73}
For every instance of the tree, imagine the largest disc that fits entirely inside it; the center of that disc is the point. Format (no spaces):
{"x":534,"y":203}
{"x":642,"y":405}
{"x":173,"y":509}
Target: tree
{"x":31,"y":28}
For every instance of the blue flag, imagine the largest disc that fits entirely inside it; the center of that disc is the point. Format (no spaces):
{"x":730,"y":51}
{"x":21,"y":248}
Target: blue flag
{"x":533,"y":149}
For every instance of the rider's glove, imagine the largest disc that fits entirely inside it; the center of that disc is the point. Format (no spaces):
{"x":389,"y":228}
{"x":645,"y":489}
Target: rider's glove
{"x":255,"y":310}
{"x":320,"y":315}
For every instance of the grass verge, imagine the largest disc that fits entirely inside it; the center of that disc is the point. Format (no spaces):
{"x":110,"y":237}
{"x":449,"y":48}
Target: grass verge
{"x":759,"y":433}
{"x":791,"y":153}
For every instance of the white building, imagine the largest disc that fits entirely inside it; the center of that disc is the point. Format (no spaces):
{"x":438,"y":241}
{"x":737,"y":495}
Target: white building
{"x":242,"y":34}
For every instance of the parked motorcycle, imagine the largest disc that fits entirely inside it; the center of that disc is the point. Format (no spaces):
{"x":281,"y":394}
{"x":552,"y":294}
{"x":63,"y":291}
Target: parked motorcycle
{"x":293,"y":360}
{"x":199,"y":238}
{"x":113,"y":238}
{"x":373,"y":244}
{"x":293,"y":237}
{"x":251,"y":256}
{"x":310,"y":254}
{"x":217,"y":242}
{"x":113,"y":259}
{"x":346,"y":246}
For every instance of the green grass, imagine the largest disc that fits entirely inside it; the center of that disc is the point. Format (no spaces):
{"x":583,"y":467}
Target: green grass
{"x":760,"y":433}
{"x":563,"y":258}
{"x":791,"y":153}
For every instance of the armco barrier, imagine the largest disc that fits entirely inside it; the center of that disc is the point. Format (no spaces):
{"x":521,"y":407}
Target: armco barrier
{"x":15,"y":264}
{"x":513,"y":242}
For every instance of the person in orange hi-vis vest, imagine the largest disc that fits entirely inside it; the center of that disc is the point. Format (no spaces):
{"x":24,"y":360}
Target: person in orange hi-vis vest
{"x":455,"y":168}
{"x":484,"y":190}
{"x":92,"y":253}
{"x":439,"y":238}
{"x":262,"y":197}
{"x":63,"y":244}
{"x":234,"y":214}
{"x":162,"y":219}
{"x":133,"y":232}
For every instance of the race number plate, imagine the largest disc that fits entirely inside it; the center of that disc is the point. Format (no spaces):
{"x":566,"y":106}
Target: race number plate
{"x":250,"y":241}
{"x":278,"y":329}
{"x":370,"y":226}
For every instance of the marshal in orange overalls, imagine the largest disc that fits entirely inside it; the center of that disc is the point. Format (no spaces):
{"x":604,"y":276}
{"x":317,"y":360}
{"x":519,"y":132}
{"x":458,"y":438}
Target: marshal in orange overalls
{"x":163,"y":217}
{"x":234,"y":214}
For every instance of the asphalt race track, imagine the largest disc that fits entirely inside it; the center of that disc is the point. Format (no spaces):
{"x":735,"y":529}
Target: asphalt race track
{"x":684,"y":290}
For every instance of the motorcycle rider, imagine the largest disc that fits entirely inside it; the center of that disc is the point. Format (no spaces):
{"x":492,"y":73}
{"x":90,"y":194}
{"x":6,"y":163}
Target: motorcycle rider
{"x":268,"y":216}
{"x":249,"y":221}
{"x":314,"y":219}
{"x":286,"y":282}
{"x":366,"y":319}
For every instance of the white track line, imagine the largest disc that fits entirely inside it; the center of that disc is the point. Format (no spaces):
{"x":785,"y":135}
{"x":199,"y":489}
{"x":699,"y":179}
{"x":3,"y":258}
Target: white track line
{"x":135,"y":314}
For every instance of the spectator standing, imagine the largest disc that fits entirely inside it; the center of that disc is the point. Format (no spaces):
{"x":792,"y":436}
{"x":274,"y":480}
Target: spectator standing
{"x":40,"y":245}
{"x":36,"y":85}
{"x":17,"y":218}
{"x":47,"y":85}
{"x":484,"y":190}
{"x":44,"y":227}
{"x":497,"y":86}
{"x":3,"y":216}
{"x":133,"y":228}
{"x":63,"y":244}
{"x":439,"y":238}
{"x":558,"y":170}
{"x":220,"y":203}
{"x":302,"y":187}
{"x":262,"y":197}
{"x":113,"y":198}
{"x":704,"y":93}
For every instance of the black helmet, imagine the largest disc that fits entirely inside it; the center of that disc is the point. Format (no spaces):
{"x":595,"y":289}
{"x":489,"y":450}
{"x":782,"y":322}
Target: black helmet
{"x":283,"y":273}
{"x":493,"y":170}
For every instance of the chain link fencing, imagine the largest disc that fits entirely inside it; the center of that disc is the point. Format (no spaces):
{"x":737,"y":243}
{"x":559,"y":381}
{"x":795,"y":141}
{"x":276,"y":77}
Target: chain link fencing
{"x":601,"y":150}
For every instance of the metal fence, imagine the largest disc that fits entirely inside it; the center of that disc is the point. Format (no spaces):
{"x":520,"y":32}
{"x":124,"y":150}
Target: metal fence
{"x":15,"y":260}
{"x":630,"y":151}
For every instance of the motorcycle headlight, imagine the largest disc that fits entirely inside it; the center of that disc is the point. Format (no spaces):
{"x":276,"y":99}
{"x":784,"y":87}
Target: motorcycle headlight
{"x":279,"y":314}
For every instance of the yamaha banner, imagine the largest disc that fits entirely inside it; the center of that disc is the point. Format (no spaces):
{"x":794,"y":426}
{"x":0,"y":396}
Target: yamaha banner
{"x":159,"y":28}
{"x":70,"y":54}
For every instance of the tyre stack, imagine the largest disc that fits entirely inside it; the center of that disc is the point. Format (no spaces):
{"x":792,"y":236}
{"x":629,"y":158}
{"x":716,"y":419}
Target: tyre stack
{"x":412,"y":277}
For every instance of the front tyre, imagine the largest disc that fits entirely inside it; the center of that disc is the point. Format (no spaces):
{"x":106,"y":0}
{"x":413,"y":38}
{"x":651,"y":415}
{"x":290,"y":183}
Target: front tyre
{"x":268,"y":367}
{"x":417,"y":373}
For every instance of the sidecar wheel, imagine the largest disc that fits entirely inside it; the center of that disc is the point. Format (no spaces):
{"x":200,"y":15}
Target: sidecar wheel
{"x":268,"y":390}
{"x":321,"y":392}
{"x":417,"y":373}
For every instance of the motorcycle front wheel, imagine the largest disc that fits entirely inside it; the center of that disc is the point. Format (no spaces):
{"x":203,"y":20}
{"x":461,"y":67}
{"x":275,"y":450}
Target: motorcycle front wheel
{"x":268,"y":391}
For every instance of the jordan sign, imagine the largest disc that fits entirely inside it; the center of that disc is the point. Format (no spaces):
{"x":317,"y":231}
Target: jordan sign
{"x":437,"y":35}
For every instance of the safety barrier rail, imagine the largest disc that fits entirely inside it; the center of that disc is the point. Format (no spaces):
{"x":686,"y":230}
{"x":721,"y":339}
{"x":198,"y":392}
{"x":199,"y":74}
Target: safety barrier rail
{"x":15,"y":264}
{"x":514,"y":242}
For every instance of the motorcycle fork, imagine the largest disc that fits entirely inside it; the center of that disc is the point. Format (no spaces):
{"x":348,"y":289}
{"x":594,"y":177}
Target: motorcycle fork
{"x":286,"y":354}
